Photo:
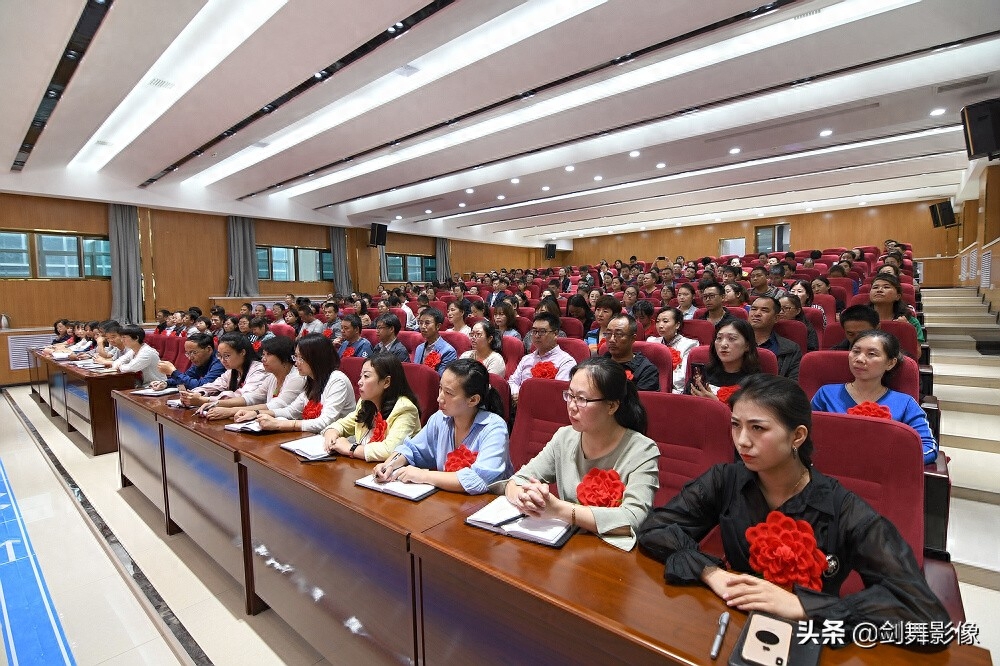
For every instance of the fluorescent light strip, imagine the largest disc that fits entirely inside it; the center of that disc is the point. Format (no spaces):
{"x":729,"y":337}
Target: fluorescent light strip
{"x":713,"y":170}
{"x":493,"y":36}
{"x":211,"y":36}
{"x":735,"y":47}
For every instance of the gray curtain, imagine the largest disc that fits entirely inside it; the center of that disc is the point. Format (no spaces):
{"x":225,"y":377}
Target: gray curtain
{"x":383,"y":267}
{"x":242,"y":257}
{"x":126,"y":264}
{"x":442,"y":252}
{"x":341,"y":271}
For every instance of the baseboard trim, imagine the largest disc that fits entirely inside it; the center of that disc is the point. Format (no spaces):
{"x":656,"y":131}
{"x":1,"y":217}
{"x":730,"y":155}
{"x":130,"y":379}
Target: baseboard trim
{"x":975,"y":495}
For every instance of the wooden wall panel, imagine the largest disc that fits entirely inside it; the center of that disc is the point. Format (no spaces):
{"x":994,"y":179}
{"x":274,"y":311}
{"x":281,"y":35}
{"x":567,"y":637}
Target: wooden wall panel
{"x":41,"y":302}
{"x":292,"y":234}
{"x":467,"y":256}
{"x":941,"y":272}
{"x":269,"y":289}
{"x":991,"y":205}
{"x":45,"y":214}
{"x":407,"y":244}
{"x":189,"y":259}
{"x":362,"y":260}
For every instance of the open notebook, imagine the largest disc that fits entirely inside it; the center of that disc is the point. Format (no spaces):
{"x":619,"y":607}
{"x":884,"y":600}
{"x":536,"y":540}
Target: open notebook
{"x":411,"y":491}
{"x":501,"y":517}
{"x":154,"y":392}
{"x":310,"y":448}
{"x":245,"y":426}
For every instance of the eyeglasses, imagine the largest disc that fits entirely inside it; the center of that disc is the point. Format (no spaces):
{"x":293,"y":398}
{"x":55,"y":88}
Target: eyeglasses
{"x":538,"y":332}
{"x":579,"y":400}
{"x":709,"y":297}
{"x":192,"y":353}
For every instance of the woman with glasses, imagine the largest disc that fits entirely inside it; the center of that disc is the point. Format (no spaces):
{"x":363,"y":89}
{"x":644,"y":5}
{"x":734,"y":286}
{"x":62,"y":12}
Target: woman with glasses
{"x":463,"y":446}
{"x":487,"y":348}
{"x":327,"y":395}
{"x":731,"y":358}
{"x":281,"y":386}
{"x":243,"y":373}
{"x":791,"y":309}
{"x":606,"y":432}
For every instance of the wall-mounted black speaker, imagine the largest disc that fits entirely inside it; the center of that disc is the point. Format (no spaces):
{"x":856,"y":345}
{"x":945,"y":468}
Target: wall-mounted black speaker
{"x":943,"y":215}
{"x":550,"y":250}
{"x":377,"y":235}
{"x":982,"y":129}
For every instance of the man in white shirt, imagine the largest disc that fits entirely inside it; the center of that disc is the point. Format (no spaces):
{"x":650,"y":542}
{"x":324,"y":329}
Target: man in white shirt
{"x":544,"y":332}
{"x":309,"y":322}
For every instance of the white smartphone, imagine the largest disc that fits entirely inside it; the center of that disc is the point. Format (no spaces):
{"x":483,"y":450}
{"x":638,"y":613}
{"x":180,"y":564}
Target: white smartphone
{"x":768,"y":641}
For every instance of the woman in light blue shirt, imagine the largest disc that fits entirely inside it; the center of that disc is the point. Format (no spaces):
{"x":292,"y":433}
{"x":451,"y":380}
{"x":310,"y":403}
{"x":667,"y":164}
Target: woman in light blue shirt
{"x":469,"y":415}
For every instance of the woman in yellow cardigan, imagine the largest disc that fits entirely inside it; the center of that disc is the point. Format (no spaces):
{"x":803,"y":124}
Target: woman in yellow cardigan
{"x":386,"y":414}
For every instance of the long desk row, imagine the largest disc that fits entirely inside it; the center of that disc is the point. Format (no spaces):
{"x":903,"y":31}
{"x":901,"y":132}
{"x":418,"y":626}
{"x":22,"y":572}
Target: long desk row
{"x":362,"y":575}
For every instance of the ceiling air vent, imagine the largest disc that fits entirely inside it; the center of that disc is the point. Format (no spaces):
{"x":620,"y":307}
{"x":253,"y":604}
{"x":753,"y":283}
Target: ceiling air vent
{"x":161,"y":83}
{"x":968,"y":83}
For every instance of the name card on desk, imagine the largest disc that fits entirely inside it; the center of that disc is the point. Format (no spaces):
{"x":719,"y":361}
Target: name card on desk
{"x":410,"y":491}
{"x":501,"y":517}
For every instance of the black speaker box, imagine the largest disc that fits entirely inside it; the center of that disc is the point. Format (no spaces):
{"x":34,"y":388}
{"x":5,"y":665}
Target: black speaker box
{"x":550,"y":250}
{"x":377,"y":235}
{"x":982,"y":129}
{"x":943,"y":215}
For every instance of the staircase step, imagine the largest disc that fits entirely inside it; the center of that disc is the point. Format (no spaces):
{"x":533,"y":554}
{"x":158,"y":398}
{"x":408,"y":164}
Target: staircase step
{"x":974,"y":469}
{"x":942,"y":310}
{"x":955,"y":318}
{"x":970,"y":431}
{"x":967,"y":375}
{"x":981,"y":331}
{"x":967,"y":399}
{"x":950,"y":300}
{"x":950,"y":341}
{"x":963,"y":357}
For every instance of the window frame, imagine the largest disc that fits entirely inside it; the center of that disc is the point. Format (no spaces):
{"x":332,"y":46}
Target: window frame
{"x":427,"y":263}
{"x":35,"y":254}
{"x":324,"y":263}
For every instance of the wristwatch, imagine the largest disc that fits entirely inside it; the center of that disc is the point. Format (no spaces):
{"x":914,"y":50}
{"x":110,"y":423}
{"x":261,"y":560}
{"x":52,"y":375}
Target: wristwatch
{"x":354,"y":446}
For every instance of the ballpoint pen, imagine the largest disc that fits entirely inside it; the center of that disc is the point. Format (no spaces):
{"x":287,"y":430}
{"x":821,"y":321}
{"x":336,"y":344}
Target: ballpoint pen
{"x":719,"y":635}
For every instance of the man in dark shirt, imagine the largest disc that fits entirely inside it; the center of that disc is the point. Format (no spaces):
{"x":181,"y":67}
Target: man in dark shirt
{"x":763,"y":316}
{"x":621,"y":336}
{"x":387,"y":327}
{"x":854,"y":320}
{"x":715,"y":309}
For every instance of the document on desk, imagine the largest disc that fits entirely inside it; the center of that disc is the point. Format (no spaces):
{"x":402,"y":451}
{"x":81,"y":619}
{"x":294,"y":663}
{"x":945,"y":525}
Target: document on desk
{"x":310,"y":448}
{"x":156,"y":392}
{"x":246,"y":426}
{"x":410,"y":491}
{"x":502,"y":517}
{"x":87,"y":365}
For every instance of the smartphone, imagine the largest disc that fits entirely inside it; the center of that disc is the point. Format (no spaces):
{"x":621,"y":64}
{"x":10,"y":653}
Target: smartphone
{"x":697,"y":373}
{"x":768,"y":641}
{"x":661,"y":258}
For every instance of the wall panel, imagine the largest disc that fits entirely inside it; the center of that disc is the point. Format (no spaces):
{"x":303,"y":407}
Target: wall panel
{"x":292,"y":234}
{"x":44,"y":214}
{"x":41,"y":302}
{"x":408,"y":244}
{"x":467,"y":256}
{"x":189,"y":258}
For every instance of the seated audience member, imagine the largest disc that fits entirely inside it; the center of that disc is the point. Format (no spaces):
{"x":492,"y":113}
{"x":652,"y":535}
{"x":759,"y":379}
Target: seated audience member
{"x":791,"y":309}
{"x":855,"y":320}
{"x":886,"y":297}
{"x":386,"y":414}
{"x":387,"y":327}
{"x":259,"y":331}
{"x":136,"y":356}
{"x":361,"y":310}
{"x":669,"y":325}
{"x":281,"y":386}
{"x":629,"y":298}
{"x":243,"y":326}
{"x":180,"y":328}
{"x":396,"y":300}
{"x":803,"y":289}
{"x":245,"y":309}
{"x":352,"y":343}
{"x":760,"y":286}
{"x":260,"y":310}
{"x":842,"y":270}
{"x":592,"y":298}
{"x":433,"y":352}
{"x":327,"y":395}
{"x":821,"y":285}
{"x":293,"y":319}
{"x":643,"y":313}
{"x":162,"y":321}
{"x":731,"y":358}
{"x":639,"y":369}
{"x":715,"y":308}
{"x":457,"y":312}
{"x":685,"y":300}
{"x":873,"y":358}
{"x":310,"y":324}
{"x":487,"y":348}
{"x":278,"y":311}
{"x":202,"y":325}
{"x":578,"y":308}
{"x":290,"y":300}
{"x":331,"y":328}
{"x":550,"y":305}
{"x":205,"y":365}
{"x":763,"y":316}
{"x":735,"y":295}
{"x":480,"y":309}
{"x":547,"y":360}
{"x":505,"y":319}
{"x":730,"y":274}
{"x":771,"y":422}
{"x":244,"y":373}
{"x":109,"y":341}
{"x":463,"y":447}
{"x":606,"y":432}
{"x":85,"y":332}
{"x":188,"y":319}
{"x":229,"y":325}
{"x":606,"y":309}
{"x":215,"y":330}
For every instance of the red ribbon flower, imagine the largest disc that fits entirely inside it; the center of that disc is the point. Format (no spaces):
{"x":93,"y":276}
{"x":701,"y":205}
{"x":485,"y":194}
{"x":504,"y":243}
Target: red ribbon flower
{"x":379,"y":428}
{"x":675,"y":357}
{"x":601,"y":487}
{"x":784,"y":551}
{"x":628,"y":375}
{"x":460,"y":458}
{"x":256,"y":346}
{"x":312,"y":410}
{"x":327,"y":332}
{"x":432,"y":359}
{"x":544,"y":370}
{"x":726,"y":392}
{"x":348,"y":352}
{"x":868,"y":408}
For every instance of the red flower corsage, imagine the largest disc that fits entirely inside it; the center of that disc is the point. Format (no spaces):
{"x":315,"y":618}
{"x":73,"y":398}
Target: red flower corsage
{"x":327,"y":332}
{"x":312,"y":410}
{"x":460,"y":458}
{"x":379,"y":428}
{"x":868,"y":408}
{"x":432,"y":359}
{"x":256,"y":346}
{"x":784,"y":551}
{"x":629,"y":375}
{"x":544,"y":370}
{"x":348,"y":352}
{"x":675,"y":357}
{"x":726,"y":392}
{"x":601,"y":487}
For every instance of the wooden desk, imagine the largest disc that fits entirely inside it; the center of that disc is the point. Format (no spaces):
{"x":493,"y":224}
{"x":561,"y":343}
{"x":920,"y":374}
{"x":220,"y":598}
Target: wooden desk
{"x":83,"y":399}
{"x":489,"y":599}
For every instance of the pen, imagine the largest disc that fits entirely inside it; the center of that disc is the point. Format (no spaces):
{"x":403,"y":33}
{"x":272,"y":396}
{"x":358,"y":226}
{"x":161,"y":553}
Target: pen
{"x":511,"y":520}
{"x":306,"y":461}
{"x":719,"y":635}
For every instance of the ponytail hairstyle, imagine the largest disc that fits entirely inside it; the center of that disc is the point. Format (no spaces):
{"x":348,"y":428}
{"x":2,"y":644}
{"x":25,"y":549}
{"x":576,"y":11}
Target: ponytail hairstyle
{"x":475,"y":380}
{"x":785,"y":399}
{"x":316,"y":350}
{"x":609,"y":378}
{"x":384,"y":365}
{"x":239,"y":344}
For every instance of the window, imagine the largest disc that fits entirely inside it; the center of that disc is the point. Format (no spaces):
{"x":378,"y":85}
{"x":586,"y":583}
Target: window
{"x":263,"y":263}
{"x":411,"y":267}
{"x":96,"y":257}
{"x":773,"y":238}
{"x":58,"y":256}
{"x":326,"y":266}
{"x":14,"y":259}
{"x":287,"y":264}
{"x":282,"y":264}
{"x":308,"y":265}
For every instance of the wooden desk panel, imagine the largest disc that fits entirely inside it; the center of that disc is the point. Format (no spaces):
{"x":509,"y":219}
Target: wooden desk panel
{"x":489,"y":599}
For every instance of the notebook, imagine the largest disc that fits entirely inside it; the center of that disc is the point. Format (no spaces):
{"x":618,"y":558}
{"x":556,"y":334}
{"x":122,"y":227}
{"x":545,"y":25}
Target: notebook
{"x":246,"y":426}
{"x":155,"y":392}
{"x":410,"y":491}
{"x":501,"y":517}
{"x":310,"y":448}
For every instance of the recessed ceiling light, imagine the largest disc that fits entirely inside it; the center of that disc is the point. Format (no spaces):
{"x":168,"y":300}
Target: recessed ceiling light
{"x":642,"y":228}
{"x":461,"y":205}
{"x":501,"y":197}
{"x":826,"y":132}
{"x":469,"y":190}
{"x":863,"y":203}
{"x":581,"y":235}
{"x":598,"y":177}
{"x":735,"y":150}
{"x":660,"y":165}
{"x":570,"y":167}
{"x":611,"y":231}
{"x":809,"y":210}
{"x":760,"y":214}
{"x":428,"y":211}
{"x":718,"y":219}
{"x":545,"y":188}
{"x":939,"y":112}
{"x":634,"y":153}
{"x":515,"y":181}
{"x":399,"y":217}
